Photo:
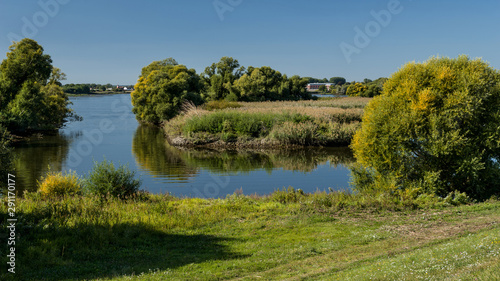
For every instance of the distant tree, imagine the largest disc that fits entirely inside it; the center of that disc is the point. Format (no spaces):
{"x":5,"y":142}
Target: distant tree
{"x":161,"y":89}
{"x":338,"y":80}
{"x":322,"y":89}
{"x":356,"y":90}
{"x":366,"y":80}
{"x":435,"y":129}
{"x":31,"y":98}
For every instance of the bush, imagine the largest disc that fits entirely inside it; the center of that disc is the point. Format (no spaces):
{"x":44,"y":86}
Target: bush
{"x":59,"y":184}
{"x":435,"y":127}
{"x":105,"y":180}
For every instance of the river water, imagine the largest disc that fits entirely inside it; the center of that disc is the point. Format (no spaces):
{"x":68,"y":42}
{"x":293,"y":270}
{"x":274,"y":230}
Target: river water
{"x":110,"y":131}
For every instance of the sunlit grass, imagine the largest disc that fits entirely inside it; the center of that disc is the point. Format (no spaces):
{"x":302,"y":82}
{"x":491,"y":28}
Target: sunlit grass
{"x":286,"y":235}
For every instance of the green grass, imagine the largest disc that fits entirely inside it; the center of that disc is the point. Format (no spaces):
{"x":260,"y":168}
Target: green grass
{"x":287,"y":235}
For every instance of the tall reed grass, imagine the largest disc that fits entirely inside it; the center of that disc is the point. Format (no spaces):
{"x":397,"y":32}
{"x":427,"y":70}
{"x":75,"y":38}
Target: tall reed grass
{"x":331,"y":122}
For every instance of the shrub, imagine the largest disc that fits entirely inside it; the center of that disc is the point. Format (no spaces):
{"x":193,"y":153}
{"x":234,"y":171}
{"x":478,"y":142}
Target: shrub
{"x":105,"y":180}
{"x":434,"y":127}
{"x":59,"y":184}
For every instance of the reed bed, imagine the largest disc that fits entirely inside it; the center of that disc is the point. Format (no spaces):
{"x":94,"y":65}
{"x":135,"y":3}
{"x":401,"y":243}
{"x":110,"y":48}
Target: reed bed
{"x":331,"y":122}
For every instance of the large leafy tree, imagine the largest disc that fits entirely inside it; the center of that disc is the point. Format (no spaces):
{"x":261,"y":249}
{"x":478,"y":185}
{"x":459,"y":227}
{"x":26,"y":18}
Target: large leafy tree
{"x":31,"y":98}
{"x":220,"y":76}
{"x":435,"y":129}
{"x":265,"y":83}
{"x":161,"y":90}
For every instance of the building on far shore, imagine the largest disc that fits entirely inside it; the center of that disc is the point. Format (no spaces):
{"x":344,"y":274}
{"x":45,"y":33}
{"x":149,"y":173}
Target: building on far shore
{"x":313,"y":87}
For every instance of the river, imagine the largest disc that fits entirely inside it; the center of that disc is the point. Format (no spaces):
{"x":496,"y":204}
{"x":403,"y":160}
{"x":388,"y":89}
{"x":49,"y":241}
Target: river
{"x":110,"y":131}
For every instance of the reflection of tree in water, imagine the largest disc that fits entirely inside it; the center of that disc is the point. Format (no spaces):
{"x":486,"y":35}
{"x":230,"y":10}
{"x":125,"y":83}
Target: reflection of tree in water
{"x":32,"y":159}
{"x":153,"y":153}
{"x":304,"y":160}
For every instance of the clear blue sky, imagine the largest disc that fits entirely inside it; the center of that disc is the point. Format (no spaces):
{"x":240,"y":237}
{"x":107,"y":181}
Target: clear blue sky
{"x":103,"y":41}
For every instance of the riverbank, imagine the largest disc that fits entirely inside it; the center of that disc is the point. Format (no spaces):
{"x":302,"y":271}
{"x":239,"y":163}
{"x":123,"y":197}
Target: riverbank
{"x":286,"y":235}
{"x":330,"y":122}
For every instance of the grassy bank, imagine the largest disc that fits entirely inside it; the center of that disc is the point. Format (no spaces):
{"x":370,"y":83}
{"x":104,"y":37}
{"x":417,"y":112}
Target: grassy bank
{"x":287,"y":235}
{"x":328,"y":122}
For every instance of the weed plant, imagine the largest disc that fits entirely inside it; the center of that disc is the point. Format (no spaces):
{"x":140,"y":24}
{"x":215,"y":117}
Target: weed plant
{"x":107,"y":181}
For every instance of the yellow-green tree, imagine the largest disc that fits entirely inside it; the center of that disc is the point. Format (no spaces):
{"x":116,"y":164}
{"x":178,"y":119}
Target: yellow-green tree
{"x":435,"y":129}
{"x":356,"y":89}
{"x":161,"y":89}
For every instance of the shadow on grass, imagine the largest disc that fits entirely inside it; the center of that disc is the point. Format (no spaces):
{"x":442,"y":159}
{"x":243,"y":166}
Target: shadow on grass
{"x":46,"y":252}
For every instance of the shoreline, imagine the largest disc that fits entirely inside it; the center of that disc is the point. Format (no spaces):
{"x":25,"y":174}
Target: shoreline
{"x":257,"y":143}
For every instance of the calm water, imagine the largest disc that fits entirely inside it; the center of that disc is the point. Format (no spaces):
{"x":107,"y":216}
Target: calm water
{"x":109,"y":131}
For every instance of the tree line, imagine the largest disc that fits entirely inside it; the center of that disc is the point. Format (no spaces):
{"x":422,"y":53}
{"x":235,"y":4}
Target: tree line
{"x":164,"y":85}
{"x":91,"y":88}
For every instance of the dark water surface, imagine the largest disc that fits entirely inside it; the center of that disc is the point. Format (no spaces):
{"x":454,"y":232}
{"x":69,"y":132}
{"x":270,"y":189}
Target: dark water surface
{"x":109,"y":131}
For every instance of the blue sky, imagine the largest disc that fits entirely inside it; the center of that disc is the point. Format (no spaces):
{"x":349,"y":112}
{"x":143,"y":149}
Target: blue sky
{"x":110,"y":41}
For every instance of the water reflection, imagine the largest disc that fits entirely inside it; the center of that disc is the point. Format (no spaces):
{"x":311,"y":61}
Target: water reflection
{"x":33,"y":158}
{"x":155,"y":155}
{"x":163,"y":168}
{"x":245,"y":161}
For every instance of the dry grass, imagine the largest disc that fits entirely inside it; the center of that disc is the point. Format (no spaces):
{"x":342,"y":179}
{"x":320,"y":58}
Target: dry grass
{"x":347,"y":102}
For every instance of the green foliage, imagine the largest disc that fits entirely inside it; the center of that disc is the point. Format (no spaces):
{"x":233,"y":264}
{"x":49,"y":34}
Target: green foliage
{"x":355,"y":90}
{"x":249,"y":124}
{"x":59,"y":184}
{"x":366,"y":89}
{"x":161,"y":90}
{"x":220,"y":77}
{"x":435,"y":128}
{"x":76,"y":88}
{"x":337,"y":80}
{"x":107,"y":181}
{"x":31,"y":98}
{"x":265,"y":83}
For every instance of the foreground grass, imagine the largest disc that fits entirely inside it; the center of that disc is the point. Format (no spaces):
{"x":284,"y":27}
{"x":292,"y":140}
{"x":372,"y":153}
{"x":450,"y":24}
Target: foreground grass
{"x":324,"y":122}
{"x":287,"y":235}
